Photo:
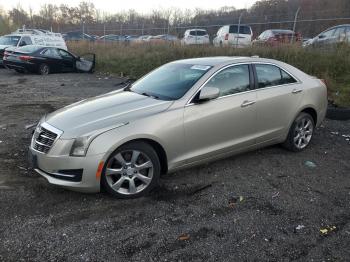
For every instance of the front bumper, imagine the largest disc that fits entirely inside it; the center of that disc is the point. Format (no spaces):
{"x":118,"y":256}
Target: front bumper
{"x":57,"y":169}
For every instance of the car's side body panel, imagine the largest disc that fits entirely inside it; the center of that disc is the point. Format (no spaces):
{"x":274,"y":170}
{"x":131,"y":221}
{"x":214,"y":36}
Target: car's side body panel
{"x":189,"y":132}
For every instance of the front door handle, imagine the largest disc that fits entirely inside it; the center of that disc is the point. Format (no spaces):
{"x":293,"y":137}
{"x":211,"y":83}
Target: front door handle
{"x":247,"y":103}
{"x":297,"y":91}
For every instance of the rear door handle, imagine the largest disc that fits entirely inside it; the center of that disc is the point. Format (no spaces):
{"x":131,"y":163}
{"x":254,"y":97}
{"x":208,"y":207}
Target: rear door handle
{"x":247,"y":103}
{"x":297,"y":91}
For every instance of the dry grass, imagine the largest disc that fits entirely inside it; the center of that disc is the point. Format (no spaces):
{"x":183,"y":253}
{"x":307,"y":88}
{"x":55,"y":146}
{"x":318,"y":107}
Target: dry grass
{"x":136,"y":60}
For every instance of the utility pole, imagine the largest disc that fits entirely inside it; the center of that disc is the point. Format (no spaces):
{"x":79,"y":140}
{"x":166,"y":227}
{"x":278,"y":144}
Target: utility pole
{"x":104,"y":32}
{"x":239,"y":28}
{"x":83,"y":30}
{"x":295,"y":23}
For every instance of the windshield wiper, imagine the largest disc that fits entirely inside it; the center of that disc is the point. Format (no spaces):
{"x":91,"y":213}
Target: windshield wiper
{"x":153,"y":96}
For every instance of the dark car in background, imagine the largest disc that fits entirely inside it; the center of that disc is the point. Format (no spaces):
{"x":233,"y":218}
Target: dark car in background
{"x":112,"y":38}
{"x":77,"y":36}
{"x":46,"y":60}
{"x":331,"y":36}
{"x":276,"y":37}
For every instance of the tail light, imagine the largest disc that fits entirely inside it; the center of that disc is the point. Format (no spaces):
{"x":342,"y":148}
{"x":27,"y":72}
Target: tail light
{"x":226,"y":37}
{"x":25,"y":58}
{"x":298,"y":37}
{"x":6,"y":54}
{"x":324,"y":81}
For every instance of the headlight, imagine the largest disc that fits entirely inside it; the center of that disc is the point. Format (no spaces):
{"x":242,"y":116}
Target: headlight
{"x":80,"y":146}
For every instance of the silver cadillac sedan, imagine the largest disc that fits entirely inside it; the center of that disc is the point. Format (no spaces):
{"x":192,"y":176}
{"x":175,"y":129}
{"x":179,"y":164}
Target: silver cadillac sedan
{"x":183,"y":113}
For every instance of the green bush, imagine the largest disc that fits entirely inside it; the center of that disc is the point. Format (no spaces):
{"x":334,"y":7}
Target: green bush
{"x":333,"y":65}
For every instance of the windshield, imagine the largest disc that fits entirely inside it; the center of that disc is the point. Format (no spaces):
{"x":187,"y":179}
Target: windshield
{"x":170,"y":81}
{"x":9,"y":40}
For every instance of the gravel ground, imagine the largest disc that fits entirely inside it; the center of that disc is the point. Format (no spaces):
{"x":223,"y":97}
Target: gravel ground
{"x":266,"y":205}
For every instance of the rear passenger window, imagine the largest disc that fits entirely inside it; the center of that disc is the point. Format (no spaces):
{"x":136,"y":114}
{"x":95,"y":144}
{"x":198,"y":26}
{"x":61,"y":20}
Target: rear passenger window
{"x":244,"y":30}
{"x":231,"y":80}
{"x":198,"y":32}
{"x":51,"y":52}
{"x":270,"y":75}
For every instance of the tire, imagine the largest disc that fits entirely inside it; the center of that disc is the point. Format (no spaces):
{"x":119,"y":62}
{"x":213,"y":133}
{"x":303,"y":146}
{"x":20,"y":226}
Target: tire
{"x":336,"y":113}
{"x":302,"y":130}
{"x":123,"y":176}
{"x":44,"y":69}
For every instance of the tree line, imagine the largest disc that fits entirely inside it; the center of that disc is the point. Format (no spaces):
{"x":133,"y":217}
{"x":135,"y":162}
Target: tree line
{"x":314,"y":16}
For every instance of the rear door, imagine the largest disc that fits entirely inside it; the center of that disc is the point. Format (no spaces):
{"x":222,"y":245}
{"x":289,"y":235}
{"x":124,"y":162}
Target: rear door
{"x":224,"y":124}
{"x":278,"y":97}
{"x":242,"y":38}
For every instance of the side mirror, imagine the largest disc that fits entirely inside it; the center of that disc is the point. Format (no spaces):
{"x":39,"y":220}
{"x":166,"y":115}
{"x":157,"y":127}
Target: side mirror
{"x":321,"y":36}
{"x":78,"y":58}
{"x":208,"y":93}
{"x":22,"y":43}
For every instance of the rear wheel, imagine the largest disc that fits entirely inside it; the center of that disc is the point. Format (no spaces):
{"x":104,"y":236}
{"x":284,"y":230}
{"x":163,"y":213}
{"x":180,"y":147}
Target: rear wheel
{"x":131,"y":171}
{"x":44,"y":69}
{"x":300,"y":133}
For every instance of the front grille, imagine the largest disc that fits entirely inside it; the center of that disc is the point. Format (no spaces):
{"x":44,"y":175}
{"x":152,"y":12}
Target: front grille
{"x":43,"y":139}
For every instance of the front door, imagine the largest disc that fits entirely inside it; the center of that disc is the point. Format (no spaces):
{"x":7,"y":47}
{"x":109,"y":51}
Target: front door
{"x":224,"y":124}
{"x":68,"y":61}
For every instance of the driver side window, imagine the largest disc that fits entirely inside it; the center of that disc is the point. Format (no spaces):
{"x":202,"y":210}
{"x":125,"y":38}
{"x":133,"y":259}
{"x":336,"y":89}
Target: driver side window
{"x":65,"y":54}
{"x":232,"y":80}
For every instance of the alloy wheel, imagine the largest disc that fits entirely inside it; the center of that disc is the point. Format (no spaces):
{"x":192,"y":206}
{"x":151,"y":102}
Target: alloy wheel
{"x":303,"y":133}
{"x":129,"y":172}
{"x":44,"y":69}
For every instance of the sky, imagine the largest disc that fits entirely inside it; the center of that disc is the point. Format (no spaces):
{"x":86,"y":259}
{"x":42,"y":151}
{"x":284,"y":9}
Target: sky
{"x":142,"y":6}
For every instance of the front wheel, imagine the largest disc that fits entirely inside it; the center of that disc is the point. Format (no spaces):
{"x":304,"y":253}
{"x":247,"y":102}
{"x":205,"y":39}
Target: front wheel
{"x":300,"y":133}
{"x":131,"y":171}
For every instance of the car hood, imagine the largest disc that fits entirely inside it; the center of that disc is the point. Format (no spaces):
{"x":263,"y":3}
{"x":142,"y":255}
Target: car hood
{"x":100,"y":113}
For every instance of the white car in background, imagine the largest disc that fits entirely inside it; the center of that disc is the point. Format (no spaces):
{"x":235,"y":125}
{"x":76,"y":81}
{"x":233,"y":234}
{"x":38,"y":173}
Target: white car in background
{"x":228,"y":35}
{"x":196,"y":37}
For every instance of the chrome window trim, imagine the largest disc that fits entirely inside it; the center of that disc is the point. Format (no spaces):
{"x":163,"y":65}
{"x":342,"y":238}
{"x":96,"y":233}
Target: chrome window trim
{"x":289,"y":73}
{"x":214,"y":74}
{"x":188,"y":103}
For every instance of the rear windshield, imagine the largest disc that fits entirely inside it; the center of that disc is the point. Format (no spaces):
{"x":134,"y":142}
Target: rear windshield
{"x":9,"y":40}
{"x":29,"y":48}
{"x":198,"y":32}
{"x":243,"y":29}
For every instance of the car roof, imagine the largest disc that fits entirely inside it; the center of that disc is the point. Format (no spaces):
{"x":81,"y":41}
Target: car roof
{"x":224,"y":60}
{"x":281,"y":30}
{"x":345,"y":25}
